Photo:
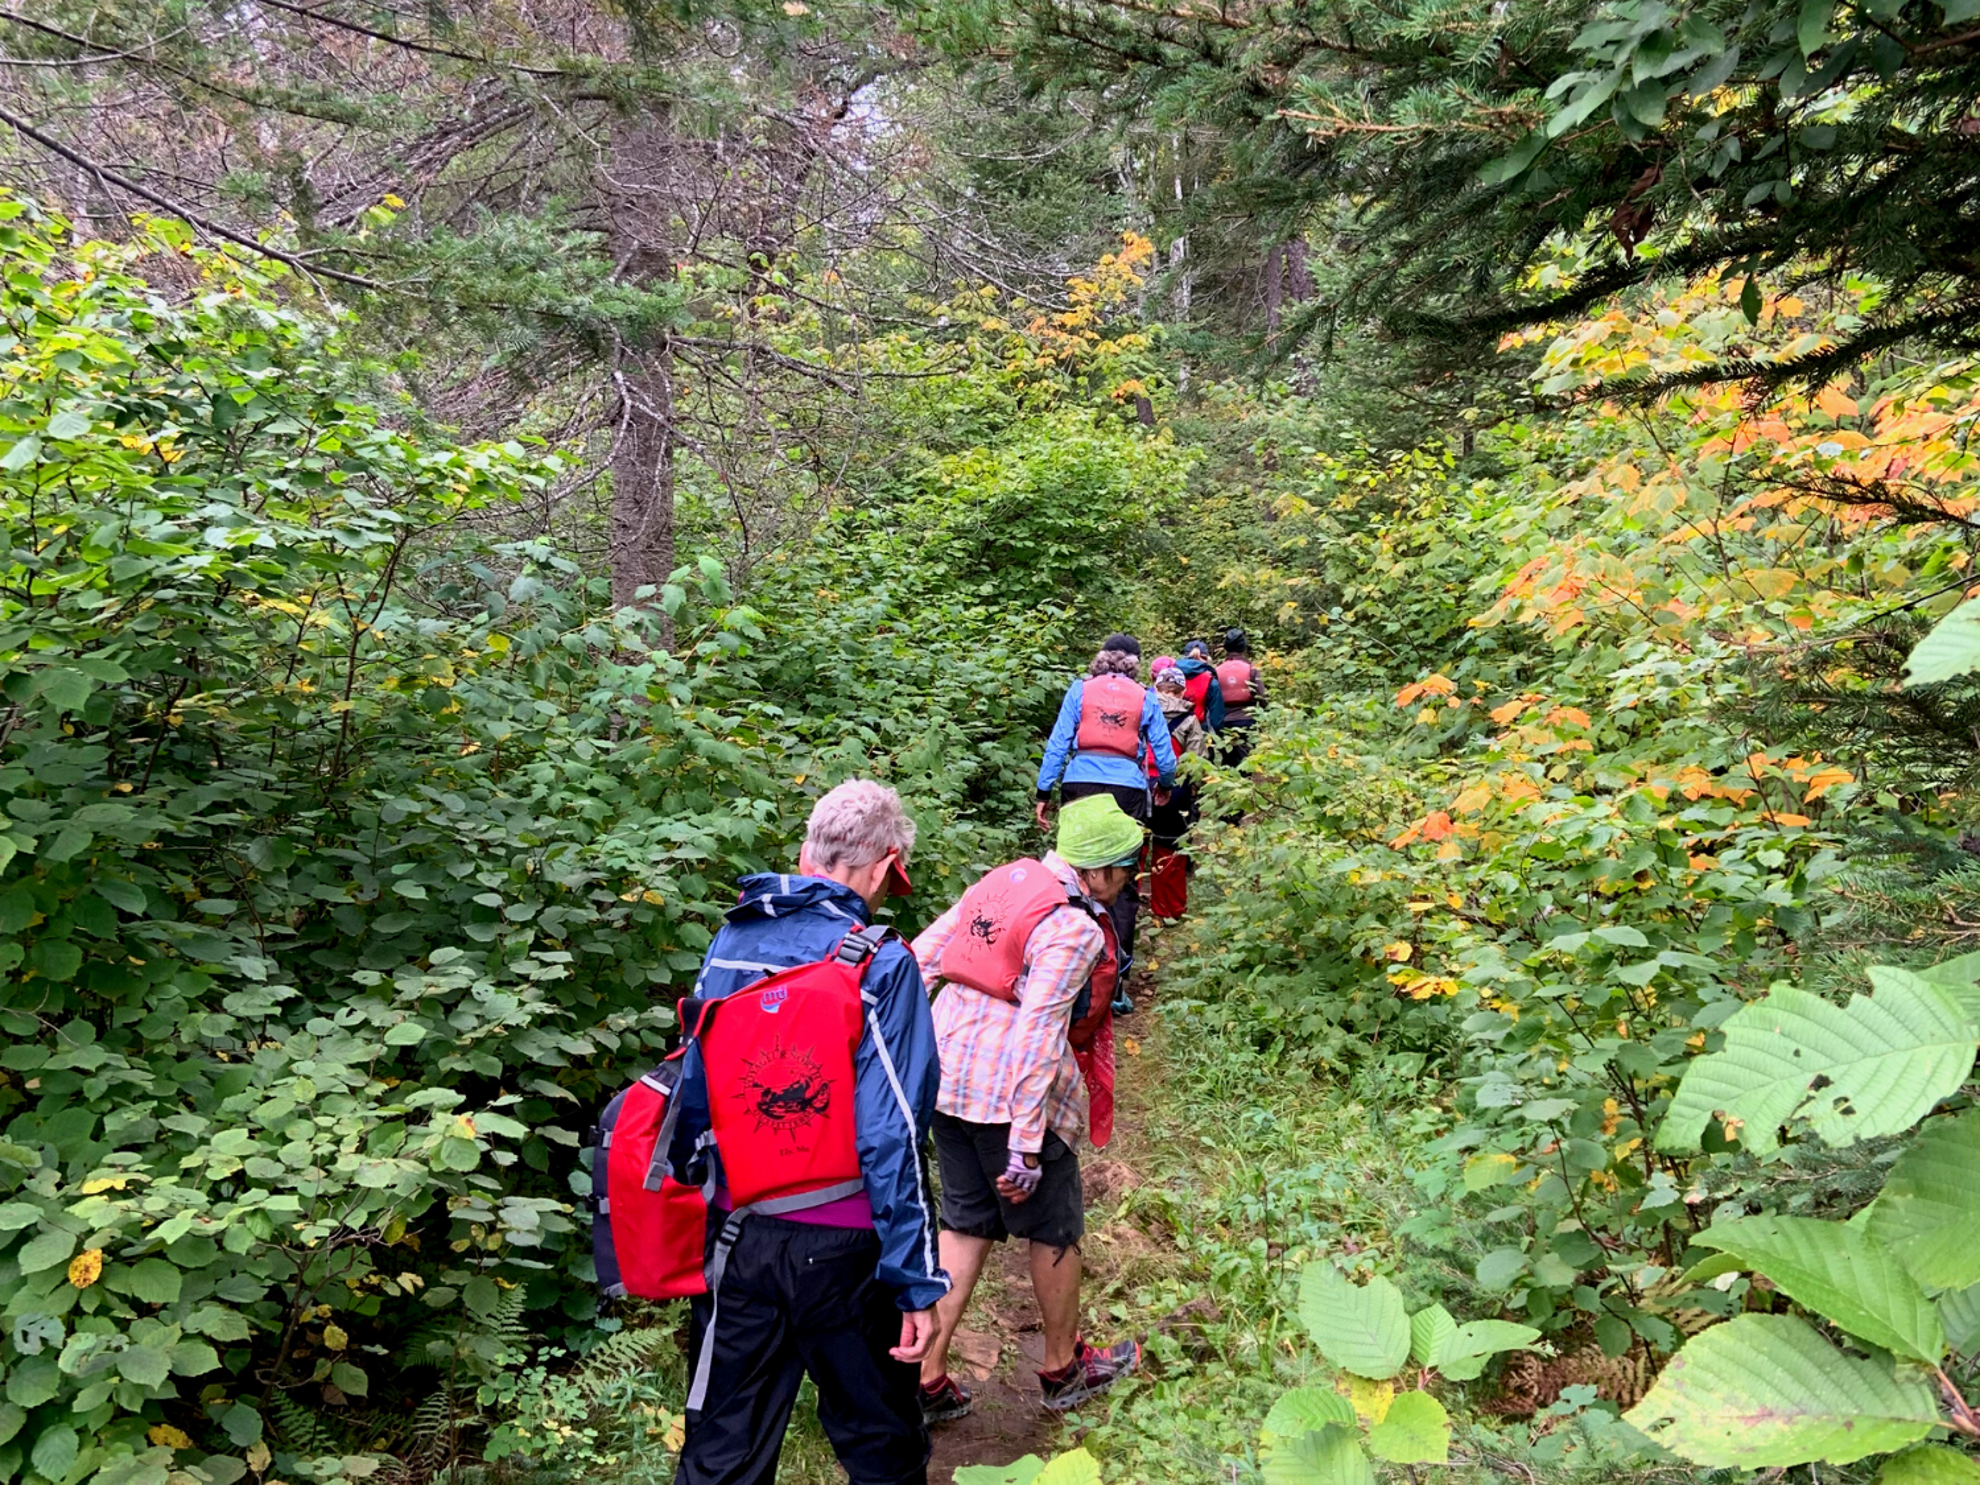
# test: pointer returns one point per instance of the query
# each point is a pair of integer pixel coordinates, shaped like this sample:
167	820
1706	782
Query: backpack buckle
861	945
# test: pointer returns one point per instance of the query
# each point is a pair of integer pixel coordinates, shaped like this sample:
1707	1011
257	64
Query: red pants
1168	895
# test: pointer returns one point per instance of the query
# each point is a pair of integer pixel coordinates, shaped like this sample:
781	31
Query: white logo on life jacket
773	1000
1018	874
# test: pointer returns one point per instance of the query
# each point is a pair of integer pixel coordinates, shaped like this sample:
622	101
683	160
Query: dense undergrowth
353	850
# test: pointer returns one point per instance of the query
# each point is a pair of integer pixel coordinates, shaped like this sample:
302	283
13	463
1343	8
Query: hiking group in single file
773	1169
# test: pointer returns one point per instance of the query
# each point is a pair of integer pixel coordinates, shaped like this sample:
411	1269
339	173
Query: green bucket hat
1095	831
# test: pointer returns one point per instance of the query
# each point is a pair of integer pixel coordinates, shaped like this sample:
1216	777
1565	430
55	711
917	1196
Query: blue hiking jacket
784	921
1213	703
1064	764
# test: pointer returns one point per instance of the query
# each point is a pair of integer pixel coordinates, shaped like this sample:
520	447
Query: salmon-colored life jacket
995	921
1234	680
1110	716
1197	689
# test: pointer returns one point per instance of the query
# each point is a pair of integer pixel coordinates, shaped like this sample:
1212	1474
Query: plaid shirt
1004	1063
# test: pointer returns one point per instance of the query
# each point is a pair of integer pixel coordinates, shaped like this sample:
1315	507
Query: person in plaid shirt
1012	1106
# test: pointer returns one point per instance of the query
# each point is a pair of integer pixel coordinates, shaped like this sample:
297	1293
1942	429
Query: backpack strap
862	944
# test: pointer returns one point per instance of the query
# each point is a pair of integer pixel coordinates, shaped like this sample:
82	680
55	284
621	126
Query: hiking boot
945	1401
1089	1374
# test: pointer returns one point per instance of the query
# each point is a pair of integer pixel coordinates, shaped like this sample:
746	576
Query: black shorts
972	1156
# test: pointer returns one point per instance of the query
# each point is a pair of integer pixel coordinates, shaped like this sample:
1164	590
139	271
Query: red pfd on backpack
1234	680
1197	689
995	920
1110	716
778	1063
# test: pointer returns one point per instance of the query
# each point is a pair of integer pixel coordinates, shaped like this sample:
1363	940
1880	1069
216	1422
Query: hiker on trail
1106	724
1026	958
1237	680
1200	685
1168	892
843	1288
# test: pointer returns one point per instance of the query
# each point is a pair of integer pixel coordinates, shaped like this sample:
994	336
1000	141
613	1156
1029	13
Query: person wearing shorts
1012	1106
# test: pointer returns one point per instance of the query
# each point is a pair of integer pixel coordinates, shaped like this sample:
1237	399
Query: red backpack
1234	679
778	1060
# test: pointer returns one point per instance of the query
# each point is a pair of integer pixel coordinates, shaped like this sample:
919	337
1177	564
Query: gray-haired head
856	824
1116	662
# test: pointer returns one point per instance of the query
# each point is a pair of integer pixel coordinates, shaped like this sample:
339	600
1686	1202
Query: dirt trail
999	1346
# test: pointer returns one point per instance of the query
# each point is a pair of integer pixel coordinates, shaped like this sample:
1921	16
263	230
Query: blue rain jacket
784	921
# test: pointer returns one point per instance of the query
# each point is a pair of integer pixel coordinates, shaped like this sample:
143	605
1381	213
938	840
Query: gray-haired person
845	1291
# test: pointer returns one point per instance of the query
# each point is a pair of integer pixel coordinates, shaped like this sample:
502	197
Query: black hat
1126	642
1235	642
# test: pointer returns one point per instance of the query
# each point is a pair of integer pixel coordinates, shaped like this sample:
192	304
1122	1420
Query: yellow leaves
1399	952
1833	402
165	1436
1370	1400
335	1338
96	1184
1822	781
1787	820
1570	716
1504	714
1431	685
86	1268
1611	1116
1427	717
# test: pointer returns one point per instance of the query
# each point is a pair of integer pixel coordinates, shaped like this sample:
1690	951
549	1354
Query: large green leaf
1306	1410
1853	1072
1330	1456
1928	1213
1930	1464
1472	1344
1075	1467
1019	1472
1429	1331
1951	649
1361	1328
1839	1272
1765	1390
1959	1313
1415	1430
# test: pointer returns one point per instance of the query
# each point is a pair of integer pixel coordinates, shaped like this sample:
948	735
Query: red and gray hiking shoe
1089	1374
944	1401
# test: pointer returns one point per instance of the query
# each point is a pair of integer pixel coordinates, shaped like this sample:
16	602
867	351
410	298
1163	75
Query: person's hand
1038	814
1163	796
1020	1178
917	1331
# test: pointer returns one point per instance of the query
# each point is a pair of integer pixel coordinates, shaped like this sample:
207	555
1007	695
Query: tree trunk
1299	278
1275	288
642	528
639	198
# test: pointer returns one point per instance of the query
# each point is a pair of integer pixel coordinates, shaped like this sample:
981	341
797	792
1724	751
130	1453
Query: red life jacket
1234	680
1110	716
778	1059
1197	689
997	917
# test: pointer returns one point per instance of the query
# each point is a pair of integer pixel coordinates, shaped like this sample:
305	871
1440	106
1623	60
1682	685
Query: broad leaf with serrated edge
1930	1464
1477	1341
1417	1430
1764	1390
1361	1328
1306	1409
1929	1210
1429	1331
1959	1313
1959	978
1880	1062
1019	1472
1952	648
1074	1468
1840	1273
1330	1456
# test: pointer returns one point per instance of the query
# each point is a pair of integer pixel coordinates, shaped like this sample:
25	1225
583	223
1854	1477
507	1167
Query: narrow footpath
1000	1347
